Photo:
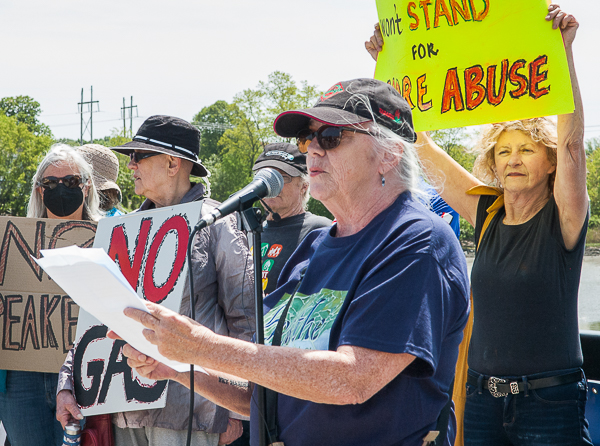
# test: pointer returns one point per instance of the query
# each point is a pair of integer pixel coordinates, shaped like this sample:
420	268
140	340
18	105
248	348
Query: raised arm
375	43
570	190
450	179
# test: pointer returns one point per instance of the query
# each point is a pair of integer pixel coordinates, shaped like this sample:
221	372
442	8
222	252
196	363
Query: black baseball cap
357	101
170	135
284	156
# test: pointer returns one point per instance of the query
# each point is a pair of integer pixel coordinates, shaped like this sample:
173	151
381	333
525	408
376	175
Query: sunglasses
136	157
328	137
71	181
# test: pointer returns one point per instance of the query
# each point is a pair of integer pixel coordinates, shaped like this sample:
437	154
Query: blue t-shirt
441	208
399	285
114	212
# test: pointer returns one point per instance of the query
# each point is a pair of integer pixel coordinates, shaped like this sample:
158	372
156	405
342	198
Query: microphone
267	183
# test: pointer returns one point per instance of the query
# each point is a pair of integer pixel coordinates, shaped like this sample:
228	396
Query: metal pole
91	114
124	125
260	329
131	118
81	120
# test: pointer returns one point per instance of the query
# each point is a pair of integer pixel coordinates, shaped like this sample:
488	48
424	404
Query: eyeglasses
328	136
71	181
286	178
136	157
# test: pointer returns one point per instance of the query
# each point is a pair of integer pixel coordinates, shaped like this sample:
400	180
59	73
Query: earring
382	181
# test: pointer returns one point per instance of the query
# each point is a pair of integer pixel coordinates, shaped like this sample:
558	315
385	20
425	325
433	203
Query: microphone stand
250	220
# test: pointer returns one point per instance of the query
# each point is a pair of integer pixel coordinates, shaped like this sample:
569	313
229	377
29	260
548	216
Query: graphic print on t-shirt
268	253
312	317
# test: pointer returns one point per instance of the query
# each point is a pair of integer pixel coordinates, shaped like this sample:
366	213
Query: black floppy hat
284	156
353	102
170	135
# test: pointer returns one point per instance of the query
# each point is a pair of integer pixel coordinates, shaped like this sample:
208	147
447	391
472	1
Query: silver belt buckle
493	388
514	387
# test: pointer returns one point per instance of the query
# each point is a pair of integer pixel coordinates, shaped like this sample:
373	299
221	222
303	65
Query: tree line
233	135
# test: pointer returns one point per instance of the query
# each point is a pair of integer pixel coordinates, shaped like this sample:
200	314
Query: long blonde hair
540	130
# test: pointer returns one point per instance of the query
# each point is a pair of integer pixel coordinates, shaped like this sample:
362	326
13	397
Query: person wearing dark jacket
164	153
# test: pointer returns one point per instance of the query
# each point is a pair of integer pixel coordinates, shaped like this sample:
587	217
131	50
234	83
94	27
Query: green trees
212	121
593	180
250	117
26	111
21	150
454	141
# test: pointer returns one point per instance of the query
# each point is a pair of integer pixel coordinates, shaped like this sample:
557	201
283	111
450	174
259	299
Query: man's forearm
225	390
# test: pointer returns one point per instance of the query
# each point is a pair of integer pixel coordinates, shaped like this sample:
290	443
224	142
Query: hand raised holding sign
375	44
566	22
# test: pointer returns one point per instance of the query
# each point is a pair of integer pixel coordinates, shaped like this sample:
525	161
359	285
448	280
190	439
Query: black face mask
63	201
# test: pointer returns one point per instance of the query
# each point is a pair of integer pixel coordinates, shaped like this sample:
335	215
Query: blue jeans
28	409
549	416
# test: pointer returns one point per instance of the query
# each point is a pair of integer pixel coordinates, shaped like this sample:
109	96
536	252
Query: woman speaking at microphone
362	334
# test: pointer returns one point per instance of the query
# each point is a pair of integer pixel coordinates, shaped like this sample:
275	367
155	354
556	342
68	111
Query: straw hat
105	165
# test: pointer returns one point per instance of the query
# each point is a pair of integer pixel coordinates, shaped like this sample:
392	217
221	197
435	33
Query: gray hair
64	154
306	195
408	169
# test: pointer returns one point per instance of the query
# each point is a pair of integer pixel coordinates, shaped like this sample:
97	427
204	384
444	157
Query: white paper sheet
95	283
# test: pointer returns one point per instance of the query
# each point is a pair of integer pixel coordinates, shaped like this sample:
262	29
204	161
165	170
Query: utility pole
131	107
89	123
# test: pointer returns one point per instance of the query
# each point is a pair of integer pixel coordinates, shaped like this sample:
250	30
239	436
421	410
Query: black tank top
525	285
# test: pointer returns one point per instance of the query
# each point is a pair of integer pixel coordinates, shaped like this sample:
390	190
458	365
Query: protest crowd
374	334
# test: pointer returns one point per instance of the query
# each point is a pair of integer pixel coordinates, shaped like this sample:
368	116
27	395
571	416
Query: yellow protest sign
468	62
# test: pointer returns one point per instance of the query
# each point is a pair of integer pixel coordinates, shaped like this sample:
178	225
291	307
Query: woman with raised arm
525	384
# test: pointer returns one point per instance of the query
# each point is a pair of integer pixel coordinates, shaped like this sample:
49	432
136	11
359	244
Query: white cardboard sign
150	249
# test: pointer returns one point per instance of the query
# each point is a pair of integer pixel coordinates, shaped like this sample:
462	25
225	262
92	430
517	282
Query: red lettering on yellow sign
490	85
467	9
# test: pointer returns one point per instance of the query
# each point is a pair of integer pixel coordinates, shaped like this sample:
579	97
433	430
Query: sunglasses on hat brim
71	181
328	137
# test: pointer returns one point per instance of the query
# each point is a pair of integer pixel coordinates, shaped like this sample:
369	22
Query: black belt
500	387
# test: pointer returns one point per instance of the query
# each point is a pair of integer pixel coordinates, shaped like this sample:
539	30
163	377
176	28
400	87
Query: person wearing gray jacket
164	153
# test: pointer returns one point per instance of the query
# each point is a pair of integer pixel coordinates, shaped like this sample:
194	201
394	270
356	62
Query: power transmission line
90	122
131	107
